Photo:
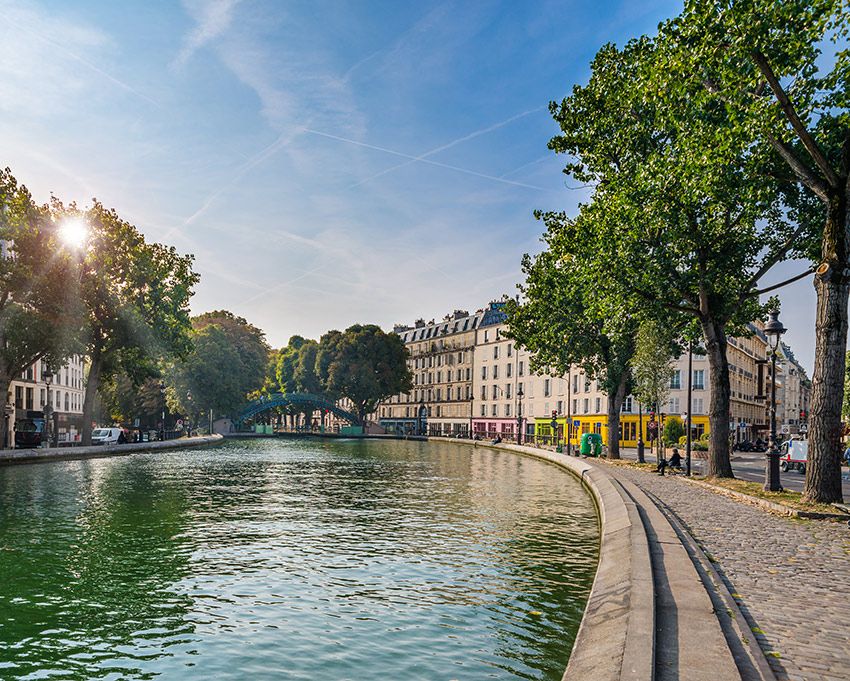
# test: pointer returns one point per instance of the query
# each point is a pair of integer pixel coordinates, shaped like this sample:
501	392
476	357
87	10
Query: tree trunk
92	386
5	419
615	405
719	463
823	471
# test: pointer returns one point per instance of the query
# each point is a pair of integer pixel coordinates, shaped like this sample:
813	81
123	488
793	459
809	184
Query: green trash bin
596	439
591	444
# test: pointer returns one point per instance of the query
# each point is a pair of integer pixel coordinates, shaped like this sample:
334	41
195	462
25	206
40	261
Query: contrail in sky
451	144
421	160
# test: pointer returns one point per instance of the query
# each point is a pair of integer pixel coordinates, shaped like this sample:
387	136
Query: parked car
29	433
794	455
108	436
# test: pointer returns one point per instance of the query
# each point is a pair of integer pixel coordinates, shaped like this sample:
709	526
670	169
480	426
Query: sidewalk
788	575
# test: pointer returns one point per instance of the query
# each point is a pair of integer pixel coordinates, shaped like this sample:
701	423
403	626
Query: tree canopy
364	364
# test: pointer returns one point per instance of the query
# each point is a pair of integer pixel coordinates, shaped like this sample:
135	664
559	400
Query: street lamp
519	396
773	330
162	413
47	376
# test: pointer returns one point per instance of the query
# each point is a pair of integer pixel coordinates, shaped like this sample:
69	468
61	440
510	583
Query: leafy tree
652	364
136	299
563	320
673	430
682	224
39	311
364	364
780	70
227	362
124	399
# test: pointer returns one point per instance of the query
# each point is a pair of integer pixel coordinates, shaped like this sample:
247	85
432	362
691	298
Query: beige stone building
441	361
29	394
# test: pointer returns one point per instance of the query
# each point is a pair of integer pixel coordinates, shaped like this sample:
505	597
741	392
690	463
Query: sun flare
73	232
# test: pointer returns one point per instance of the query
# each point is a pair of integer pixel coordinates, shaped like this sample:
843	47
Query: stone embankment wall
13	456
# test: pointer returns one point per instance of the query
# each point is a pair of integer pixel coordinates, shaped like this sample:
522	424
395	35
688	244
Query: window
495	371
627	408
699	379
495	392
483	410
586	405
676	380
483	392
547	388
560	407
628	431
520	370
586	385
575	406
468	374
484	373
41	398
598	405
575	383
29	394
439	377
486	336
508	370
19	397
508	390
449	394
697	406
495	411
507	410
510	350
673	406
495	352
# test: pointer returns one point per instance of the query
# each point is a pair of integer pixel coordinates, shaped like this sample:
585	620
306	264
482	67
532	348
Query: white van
794	454
108	436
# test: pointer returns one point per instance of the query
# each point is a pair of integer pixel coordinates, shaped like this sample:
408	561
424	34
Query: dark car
28	433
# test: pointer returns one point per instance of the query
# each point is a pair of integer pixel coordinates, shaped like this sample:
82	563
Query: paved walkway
791	575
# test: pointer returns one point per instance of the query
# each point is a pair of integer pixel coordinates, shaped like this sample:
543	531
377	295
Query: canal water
274	559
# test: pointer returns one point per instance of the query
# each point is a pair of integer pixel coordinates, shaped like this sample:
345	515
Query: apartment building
30	393
441	360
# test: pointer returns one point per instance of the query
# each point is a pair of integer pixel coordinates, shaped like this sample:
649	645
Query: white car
108	436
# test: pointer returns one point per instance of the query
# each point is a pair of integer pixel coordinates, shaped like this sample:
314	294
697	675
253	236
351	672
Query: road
750	466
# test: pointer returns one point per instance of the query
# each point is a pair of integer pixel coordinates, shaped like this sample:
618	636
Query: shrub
673	430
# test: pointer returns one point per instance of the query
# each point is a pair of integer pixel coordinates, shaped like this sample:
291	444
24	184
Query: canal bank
18	456
658	609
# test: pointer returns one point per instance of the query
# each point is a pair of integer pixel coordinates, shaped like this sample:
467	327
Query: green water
274	559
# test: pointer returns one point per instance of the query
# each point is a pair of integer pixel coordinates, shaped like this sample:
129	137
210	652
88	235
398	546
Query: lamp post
519	396
47	376
569	411
162	410
688	435
640	444
773	330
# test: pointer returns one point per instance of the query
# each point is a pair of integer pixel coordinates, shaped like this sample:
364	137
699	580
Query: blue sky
326	162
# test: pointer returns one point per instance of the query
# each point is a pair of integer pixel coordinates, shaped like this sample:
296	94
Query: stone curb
20	456
616	638
772	506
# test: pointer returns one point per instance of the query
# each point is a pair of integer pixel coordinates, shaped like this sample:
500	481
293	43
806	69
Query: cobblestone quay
790	576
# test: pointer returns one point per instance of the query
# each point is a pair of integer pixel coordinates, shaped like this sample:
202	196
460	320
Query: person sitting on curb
497	440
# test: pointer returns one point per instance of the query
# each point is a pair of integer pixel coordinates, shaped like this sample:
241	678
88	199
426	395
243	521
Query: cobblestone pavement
790	576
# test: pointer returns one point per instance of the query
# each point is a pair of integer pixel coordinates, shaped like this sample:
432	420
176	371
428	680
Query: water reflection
294	560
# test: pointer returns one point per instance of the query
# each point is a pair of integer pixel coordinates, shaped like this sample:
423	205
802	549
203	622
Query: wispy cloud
40	56
213	19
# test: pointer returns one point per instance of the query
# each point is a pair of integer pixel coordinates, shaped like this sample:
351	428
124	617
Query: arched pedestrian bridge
297	400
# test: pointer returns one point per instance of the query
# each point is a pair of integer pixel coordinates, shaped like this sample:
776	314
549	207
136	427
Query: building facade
30	393
441	361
